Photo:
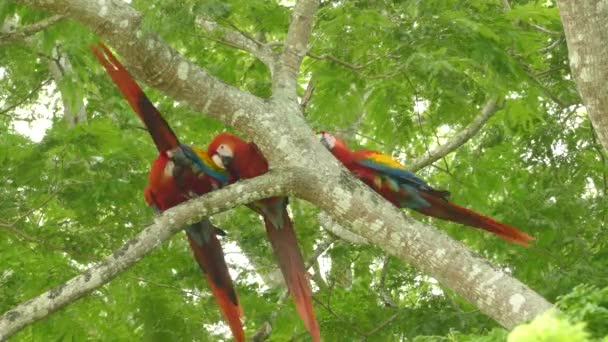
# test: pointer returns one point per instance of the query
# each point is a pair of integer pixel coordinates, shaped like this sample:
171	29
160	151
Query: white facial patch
330	140
169	169
224	151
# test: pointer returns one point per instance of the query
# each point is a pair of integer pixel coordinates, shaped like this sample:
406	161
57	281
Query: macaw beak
324	142
226	161
221	161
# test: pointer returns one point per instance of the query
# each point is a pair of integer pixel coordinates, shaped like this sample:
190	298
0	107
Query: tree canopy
403	77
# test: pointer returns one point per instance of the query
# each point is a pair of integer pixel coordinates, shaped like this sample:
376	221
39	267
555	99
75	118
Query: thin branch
165	226
26	31
36	89
328	308
237	39
310	89
152	60
384	294
354	67
295	47
546	30
383	324
336	229
488	110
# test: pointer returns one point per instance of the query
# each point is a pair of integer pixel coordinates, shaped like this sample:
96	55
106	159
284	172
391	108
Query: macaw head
336	146
328	140
224	148
332	142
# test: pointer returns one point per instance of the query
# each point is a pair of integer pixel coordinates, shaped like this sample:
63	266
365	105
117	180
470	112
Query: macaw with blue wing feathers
178	173
404	189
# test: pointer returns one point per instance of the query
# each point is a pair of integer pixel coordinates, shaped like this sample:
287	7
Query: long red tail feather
285	245
443	209
162	134
210	257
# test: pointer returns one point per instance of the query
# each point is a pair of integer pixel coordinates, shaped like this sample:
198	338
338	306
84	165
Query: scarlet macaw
172	181
406	190
244	160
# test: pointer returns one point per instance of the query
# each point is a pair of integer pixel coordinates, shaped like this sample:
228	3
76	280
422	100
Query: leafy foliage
410	74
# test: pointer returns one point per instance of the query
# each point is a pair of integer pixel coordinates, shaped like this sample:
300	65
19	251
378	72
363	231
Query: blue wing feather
400	174
195	159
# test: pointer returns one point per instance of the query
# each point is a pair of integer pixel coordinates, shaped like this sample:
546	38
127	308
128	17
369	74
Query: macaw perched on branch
172	181
406	190
244	160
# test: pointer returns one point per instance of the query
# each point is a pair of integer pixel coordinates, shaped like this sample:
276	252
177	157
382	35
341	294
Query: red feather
162	134
248	162
170	185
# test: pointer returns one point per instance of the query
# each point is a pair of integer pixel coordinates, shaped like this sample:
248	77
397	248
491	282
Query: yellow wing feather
385	159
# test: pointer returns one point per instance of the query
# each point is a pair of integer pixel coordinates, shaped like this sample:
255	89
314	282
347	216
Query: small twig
25	98
310	89
383	324
328	308
489	109
42	204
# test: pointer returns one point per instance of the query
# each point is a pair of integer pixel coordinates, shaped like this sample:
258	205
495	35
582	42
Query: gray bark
167	224
586	27
292	145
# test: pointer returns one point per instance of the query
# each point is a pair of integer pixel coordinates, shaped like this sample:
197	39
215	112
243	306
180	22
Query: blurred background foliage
397	76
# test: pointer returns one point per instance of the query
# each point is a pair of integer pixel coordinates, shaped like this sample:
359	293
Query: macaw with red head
179	173
244	160
404	189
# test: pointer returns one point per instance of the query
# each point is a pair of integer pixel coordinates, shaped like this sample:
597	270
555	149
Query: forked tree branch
165	226
238	40
489	109
295	48
287	141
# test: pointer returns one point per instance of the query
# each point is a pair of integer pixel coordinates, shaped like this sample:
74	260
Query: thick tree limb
586	27
26	31
498	295
295	48
236	39
165	226
489	109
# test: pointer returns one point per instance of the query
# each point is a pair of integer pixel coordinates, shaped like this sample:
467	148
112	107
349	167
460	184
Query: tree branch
287	141
153	61
488	110
352	203
329	224
36	89
26	31
238	40
295	48
165	226
586	28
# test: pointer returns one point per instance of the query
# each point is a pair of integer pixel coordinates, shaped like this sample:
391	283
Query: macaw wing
200	161
388	166
164	138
